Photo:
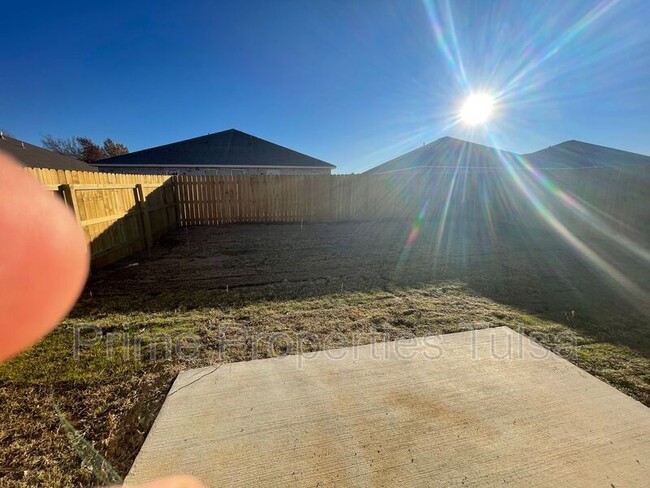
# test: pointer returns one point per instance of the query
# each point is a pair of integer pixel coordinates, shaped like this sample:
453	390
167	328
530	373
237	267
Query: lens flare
517	70
477	109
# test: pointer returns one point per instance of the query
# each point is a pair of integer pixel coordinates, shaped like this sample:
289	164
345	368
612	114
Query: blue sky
352	82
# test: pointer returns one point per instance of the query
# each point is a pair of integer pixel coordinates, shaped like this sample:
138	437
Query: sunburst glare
477	109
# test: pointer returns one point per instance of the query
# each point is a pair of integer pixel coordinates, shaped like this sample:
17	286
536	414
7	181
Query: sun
477	109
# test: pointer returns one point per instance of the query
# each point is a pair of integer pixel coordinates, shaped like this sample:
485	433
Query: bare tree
83	148
68	146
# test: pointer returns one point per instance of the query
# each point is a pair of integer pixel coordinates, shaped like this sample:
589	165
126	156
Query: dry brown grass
259	290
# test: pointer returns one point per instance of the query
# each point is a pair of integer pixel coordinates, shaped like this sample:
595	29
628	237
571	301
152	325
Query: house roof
448	152
37	157
227	148
578	154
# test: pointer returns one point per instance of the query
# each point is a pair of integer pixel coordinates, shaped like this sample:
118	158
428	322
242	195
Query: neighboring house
230	152
451	153
37	157
577	154
446	152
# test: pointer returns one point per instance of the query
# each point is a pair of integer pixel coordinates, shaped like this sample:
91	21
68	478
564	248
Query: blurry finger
172	482
43	259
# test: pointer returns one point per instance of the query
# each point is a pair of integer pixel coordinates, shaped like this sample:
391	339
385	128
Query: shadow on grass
227	267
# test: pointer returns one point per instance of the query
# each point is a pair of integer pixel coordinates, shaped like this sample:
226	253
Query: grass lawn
210	294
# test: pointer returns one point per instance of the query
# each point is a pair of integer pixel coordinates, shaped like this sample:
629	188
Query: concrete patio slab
480	408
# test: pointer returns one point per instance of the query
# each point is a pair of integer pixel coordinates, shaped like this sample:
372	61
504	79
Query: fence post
144	212
176	200
70	198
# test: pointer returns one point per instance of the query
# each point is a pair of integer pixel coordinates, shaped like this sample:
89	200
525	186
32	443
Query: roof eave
201	165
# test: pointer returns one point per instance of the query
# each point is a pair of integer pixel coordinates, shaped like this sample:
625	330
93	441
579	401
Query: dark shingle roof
455	153
37	157
446	152
576	154
228	148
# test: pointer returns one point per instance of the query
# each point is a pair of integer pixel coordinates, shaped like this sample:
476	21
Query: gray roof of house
37	157
228	148
578	154
448	152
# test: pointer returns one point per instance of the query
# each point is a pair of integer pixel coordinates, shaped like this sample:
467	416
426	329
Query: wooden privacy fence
616	196
214	200
122	214
119	214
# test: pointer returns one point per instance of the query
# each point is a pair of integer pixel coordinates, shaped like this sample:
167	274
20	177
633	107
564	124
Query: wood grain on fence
215	200
616	196
120	214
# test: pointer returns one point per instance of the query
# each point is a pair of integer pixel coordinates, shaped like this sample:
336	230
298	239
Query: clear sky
352	82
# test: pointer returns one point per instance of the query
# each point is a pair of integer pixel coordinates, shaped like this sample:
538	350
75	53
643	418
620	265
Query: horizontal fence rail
122	214
119	214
